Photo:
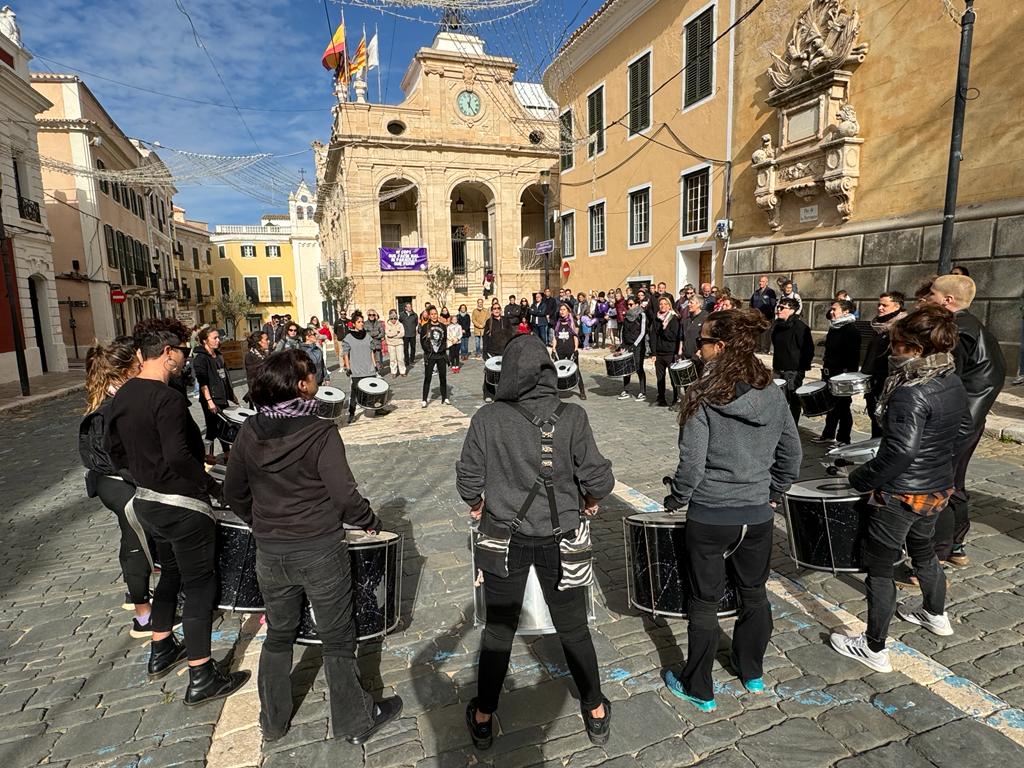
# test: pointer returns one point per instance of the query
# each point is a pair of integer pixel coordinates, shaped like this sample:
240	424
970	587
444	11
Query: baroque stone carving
847	125
766	152
824	38
9	25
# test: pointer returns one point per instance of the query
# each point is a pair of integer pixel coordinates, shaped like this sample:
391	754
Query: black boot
383	713
165	655
481	733
598	728
207	682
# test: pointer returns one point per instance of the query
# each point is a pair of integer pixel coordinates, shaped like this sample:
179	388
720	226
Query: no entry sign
565	270
116	294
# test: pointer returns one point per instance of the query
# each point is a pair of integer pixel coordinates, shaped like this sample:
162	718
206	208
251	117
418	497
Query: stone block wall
867	263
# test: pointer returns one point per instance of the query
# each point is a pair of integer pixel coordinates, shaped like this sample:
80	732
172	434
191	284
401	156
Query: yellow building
644	175
193	267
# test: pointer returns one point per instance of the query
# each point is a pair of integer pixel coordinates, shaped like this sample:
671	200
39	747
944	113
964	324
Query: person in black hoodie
634	337
497	331
792	351
513	311
664	343
215	390
289	479
876	357
842	355
410	324
499	475
434	342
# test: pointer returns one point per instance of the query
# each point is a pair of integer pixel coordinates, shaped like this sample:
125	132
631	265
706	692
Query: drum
781	384
853	455
827	521
683	373
849	384
815	398
233	419
376	587
568	375
492	370
620	364
373	393
534	618
332	403
656	578
236	565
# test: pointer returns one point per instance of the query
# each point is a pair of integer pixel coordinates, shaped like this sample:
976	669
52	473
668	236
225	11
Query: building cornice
13	86
355	141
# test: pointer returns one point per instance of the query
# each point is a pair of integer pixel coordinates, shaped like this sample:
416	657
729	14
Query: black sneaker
140	630
481	733
598	728
383	713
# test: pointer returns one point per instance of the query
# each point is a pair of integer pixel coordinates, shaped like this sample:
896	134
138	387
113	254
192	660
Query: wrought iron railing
29	209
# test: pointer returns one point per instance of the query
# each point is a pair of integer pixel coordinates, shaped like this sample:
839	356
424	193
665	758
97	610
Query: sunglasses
293	330
707	340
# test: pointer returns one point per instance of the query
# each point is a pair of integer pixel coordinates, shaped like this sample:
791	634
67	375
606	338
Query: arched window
309	212
299	213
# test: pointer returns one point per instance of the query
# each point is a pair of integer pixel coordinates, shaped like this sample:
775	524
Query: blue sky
268	52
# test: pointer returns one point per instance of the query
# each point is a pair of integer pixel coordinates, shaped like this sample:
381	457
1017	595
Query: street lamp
459	205
392	204
545	185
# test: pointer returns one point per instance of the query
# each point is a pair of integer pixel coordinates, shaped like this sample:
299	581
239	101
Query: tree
338	291
440	284
232	307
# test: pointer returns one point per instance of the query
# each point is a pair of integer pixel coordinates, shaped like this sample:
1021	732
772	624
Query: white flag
372	57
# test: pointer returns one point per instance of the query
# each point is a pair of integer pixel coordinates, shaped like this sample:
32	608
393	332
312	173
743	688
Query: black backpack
92	433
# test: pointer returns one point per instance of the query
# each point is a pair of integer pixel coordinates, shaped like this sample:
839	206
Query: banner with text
392	259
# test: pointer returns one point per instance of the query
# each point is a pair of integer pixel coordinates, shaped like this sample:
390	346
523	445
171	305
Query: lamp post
957	138
545	185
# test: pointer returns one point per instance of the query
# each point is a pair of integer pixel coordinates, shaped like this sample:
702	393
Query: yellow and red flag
358	61
334	55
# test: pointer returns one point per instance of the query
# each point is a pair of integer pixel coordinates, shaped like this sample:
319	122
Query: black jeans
954	521
453	355
504	599
839	420
706	546
135	553
409	342
794	380
429	364
322	573
185	545
889	527
641	374
661	364
871	402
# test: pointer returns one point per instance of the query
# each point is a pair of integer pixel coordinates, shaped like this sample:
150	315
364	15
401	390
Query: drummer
497	331
357	359
215	391
566	343
842	355
298	509
634	336
924	415
730	484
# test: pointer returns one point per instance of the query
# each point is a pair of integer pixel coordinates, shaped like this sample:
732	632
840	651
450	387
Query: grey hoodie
501	455
734	457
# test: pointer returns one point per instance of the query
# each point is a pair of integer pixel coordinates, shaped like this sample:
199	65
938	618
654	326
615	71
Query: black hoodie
501	455
289	479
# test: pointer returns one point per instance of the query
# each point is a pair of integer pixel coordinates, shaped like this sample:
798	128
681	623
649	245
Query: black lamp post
545	185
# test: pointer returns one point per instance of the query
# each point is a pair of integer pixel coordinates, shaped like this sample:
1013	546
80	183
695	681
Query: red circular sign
565	269
117	295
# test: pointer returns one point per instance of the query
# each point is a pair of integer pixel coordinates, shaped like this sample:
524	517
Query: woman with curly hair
730	485
259	350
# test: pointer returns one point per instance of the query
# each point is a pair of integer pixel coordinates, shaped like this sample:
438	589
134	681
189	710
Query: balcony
235	229
29	209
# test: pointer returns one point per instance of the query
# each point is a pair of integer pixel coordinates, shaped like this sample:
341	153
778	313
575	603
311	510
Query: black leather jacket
923	425
980	365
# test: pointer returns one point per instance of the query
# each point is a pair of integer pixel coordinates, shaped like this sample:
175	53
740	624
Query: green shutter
595	121
640	94
566	141
699	58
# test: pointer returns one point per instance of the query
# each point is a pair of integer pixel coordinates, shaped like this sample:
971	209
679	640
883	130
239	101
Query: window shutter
699	57
566	141
640	94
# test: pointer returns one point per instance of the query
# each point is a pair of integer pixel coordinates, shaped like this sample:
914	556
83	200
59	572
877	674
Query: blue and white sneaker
676	688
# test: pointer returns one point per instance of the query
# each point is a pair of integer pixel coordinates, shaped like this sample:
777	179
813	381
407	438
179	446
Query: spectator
584	306
551	304
587	329
291	340
410	326
512	311
375	328
601	316
959	269
488	283
259	350
480	315
789	292
764	301
843	296
539	317
707	293
463	319
394	335
690	329
453	333
316	355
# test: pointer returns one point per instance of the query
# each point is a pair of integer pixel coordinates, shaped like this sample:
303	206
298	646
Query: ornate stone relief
818	143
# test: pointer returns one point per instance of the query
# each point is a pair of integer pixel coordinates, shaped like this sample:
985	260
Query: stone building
193	270
644	172
27	248
451	177
841	146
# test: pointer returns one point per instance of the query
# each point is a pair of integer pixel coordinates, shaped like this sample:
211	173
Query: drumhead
619	356
493	364
357	539
238	415
373	386
855	376
330	395
810	389
680	364
824	488
863	449
565	368
779	383
657	519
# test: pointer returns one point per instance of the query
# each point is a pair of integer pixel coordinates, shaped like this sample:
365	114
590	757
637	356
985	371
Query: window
299	213
116	191
248	251
108	237
209	259
596	227
276	290
195	258
273	251
225	286
568	235
199	289
640	216
565	127
209	284
104	185
696	194
142	207
220	252
162	217
391	235
252	288
133	202
595	122
697	77
639	83
309	212
152	205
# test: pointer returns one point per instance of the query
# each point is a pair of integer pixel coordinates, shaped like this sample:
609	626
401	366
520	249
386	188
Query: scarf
839	322
911	372
259	353
666	318
291	408
883	324
633	313
358	335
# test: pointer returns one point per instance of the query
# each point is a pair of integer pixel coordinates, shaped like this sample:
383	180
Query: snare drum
849	384
683	373
233	419
815	398
853	455
236	565
376	587
373	393
492	370
568	375
827	521
656	579
620	364
332	403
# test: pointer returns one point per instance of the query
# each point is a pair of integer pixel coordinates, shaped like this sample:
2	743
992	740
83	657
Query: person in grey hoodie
496	475
739	451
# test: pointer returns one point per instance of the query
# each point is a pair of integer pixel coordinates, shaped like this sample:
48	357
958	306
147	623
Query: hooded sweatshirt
501	454
289	479
734	457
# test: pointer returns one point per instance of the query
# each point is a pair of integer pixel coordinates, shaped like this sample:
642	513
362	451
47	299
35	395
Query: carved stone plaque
802	125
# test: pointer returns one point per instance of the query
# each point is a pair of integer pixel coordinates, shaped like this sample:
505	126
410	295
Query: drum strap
731	552
175	500
547	465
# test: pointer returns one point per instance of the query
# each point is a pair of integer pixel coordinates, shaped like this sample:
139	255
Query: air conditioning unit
722	228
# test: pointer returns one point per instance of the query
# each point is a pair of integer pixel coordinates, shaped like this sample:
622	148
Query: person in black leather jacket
923	410
982	369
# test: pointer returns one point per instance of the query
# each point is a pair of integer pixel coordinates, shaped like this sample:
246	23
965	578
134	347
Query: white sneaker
446	401
1018	381
937	625
488	400
856	648
641	397
624	395
423	404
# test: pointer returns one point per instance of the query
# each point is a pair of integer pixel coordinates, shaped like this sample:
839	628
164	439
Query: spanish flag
358	62
334	55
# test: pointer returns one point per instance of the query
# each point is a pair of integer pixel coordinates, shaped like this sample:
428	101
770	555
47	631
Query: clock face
469	104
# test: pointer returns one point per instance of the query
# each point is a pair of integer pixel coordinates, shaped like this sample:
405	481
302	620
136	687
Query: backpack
92	433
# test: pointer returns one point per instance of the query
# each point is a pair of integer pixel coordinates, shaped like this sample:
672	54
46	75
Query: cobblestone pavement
73	690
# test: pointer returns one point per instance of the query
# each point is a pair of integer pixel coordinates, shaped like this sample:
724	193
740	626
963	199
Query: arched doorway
472	221
40	319
399	210
531	227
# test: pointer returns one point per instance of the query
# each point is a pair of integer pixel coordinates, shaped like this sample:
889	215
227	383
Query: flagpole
378	61
366	52
345	63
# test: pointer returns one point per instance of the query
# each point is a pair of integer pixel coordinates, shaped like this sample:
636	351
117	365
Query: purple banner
392	259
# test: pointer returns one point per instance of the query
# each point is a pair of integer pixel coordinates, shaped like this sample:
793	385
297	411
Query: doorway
33	297
401	301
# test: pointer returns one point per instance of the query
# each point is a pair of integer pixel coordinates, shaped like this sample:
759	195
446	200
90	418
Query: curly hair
108	365
739	329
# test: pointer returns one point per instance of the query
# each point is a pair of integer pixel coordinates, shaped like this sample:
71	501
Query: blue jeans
478	340
465	346
542	332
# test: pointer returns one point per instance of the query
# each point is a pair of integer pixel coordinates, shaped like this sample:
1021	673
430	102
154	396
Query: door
705	267
401	301
688	269
33	298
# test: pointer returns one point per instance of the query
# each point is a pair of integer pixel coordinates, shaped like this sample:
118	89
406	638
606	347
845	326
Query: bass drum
236	565
331	403
815	399
373	393
827	522
233	419
492	370
620	364
656	574
376	587
568	375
